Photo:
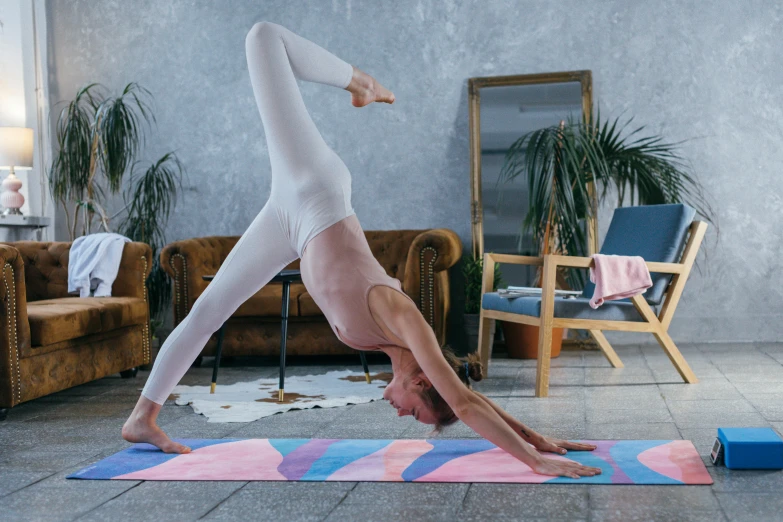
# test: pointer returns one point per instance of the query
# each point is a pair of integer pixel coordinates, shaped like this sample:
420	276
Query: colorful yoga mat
432	460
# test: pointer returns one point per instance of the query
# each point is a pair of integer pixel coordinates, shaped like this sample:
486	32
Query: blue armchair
668	239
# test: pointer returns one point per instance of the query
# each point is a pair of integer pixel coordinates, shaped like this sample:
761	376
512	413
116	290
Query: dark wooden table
286	277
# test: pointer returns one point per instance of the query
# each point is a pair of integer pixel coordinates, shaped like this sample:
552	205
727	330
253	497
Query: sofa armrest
131	281
135	267
426	280
442	241
15	329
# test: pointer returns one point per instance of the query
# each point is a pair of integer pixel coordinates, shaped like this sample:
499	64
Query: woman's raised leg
276	57
259	254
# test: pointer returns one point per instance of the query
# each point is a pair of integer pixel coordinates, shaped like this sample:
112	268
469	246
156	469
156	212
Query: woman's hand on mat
561	468
559	446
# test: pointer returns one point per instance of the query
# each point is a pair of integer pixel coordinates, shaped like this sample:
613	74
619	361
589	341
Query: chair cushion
64	318
576	308
657	233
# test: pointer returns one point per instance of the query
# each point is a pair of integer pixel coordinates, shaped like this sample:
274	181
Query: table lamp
16	152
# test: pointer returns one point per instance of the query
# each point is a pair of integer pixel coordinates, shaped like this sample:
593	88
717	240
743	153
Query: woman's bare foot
141	427
365	89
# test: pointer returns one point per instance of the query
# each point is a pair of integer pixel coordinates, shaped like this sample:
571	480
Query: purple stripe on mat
299	461
602	451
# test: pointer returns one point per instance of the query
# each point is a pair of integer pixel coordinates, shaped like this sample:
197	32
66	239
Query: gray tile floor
741	385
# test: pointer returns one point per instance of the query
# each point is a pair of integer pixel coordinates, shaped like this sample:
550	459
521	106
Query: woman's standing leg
259	254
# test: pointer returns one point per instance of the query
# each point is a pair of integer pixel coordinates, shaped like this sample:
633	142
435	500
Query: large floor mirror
501	110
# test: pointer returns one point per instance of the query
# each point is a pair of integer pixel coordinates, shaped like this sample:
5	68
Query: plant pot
522	340
472	332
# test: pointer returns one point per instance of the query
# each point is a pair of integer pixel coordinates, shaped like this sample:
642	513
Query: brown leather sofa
420	259
51	340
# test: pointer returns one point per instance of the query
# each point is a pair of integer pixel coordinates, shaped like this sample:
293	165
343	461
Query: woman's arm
407	323
540	442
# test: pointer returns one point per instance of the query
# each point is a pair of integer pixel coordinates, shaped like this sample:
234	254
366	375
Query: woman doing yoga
309	215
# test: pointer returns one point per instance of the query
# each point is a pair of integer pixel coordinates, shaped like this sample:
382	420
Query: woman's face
405	395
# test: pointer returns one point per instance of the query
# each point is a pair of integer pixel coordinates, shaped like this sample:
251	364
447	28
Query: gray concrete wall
686	69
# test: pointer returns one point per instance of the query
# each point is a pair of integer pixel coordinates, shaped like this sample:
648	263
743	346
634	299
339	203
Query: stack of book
527	291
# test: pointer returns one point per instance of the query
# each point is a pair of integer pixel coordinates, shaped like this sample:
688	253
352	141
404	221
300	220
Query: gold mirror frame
585	78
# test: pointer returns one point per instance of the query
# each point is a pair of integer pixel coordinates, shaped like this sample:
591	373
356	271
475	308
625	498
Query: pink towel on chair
618	277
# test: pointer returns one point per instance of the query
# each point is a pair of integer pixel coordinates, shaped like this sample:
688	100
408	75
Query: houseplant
98	141
561	161
473	272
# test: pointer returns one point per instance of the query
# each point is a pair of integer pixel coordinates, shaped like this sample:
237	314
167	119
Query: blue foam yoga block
751	448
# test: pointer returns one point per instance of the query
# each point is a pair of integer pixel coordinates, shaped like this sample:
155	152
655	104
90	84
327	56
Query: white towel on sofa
93	263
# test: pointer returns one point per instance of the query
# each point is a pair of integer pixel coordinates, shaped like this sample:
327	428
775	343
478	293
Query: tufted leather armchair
420	259
51	340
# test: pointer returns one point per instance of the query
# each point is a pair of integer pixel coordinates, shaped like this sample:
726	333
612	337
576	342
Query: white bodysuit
310	192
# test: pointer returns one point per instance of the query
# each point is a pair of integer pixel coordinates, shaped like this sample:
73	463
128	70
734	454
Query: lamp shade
16	148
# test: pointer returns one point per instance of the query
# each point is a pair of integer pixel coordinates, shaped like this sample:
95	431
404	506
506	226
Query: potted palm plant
472	271
562	161
98	141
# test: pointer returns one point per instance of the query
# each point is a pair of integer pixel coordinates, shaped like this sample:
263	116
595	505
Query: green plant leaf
473	273
560	161
149	197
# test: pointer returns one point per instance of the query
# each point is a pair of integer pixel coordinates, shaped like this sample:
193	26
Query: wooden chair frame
658	325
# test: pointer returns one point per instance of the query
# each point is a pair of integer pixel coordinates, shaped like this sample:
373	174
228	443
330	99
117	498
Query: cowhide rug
248	401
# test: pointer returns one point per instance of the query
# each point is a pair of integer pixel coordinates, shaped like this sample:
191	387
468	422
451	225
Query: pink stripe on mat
252	459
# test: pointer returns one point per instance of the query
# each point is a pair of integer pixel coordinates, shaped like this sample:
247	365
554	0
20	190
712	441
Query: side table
286	277
16	223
